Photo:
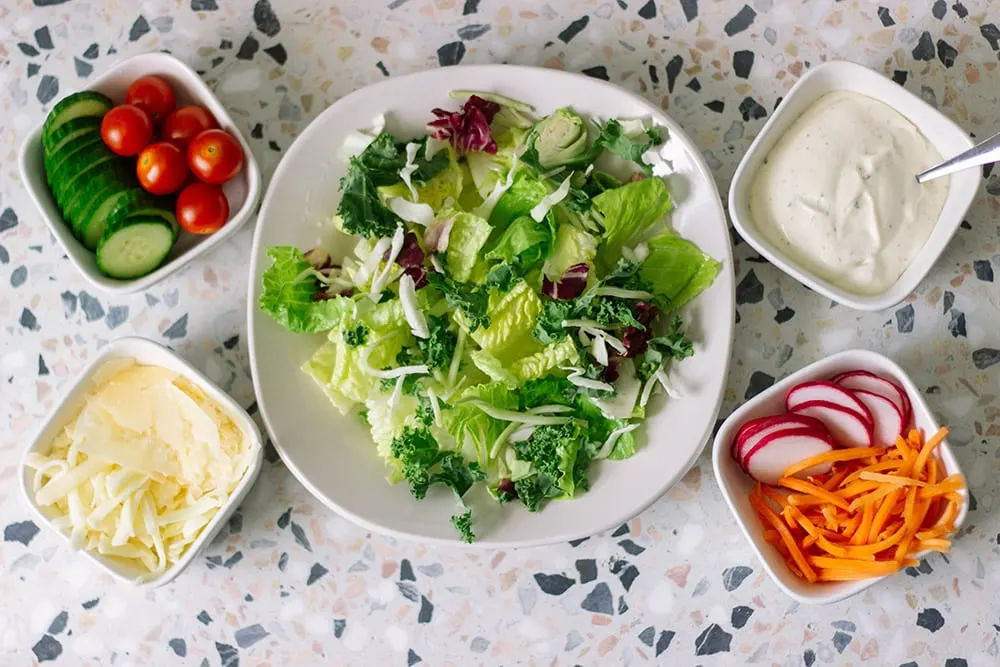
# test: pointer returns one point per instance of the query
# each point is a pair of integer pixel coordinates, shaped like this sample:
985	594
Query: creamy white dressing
838	195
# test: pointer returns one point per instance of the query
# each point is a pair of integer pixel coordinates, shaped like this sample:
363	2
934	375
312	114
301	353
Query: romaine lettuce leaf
487	170
467	237
629	211
572	246
289	294
541	362
468	424
677	269
494	368
525	192
524	243
445	185
512	318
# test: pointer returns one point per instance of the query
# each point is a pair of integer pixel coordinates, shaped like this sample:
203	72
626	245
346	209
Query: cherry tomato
186	123
153	95
202	208
215	156
161	168
126	129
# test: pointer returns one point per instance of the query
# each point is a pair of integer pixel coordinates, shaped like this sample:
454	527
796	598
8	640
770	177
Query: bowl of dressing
827	191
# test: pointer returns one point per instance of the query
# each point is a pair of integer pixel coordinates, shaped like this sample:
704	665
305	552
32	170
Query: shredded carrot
786	537
869	515
860	536
812	490
834	480
834	455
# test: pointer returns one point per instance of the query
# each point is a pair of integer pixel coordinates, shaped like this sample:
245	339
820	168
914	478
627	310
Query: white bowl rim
116	349
159	61
722	456
893	294
486	543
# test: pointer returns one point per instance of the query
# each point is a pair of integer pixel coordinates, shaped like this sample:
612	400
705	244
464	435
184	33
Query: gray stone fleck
91	307
116	316
479	645
433	570
712	640
846	626
647	636
18	276
315	573
928	95
21	531
47	648
734	133
288	111
599	600
701	588
904	318
170	298
771	36
300	536
59	623
48	88
178	329
733	577
178	646
573	639
784	354
228	655
163	24
250	635
83	68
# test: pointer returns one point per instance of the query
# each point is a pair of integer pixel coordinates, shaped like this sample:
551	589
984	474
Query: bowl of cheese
141	462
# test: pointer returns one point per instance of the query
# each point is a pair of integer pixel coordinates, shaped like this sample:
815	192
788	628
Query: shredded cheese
143	467
486	208
418	214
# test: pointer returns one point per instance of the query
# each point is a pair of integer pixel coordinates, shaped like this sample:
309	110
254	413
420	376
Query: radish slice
827	392
846	426
761	428
888	417
751	450
772	457
865	381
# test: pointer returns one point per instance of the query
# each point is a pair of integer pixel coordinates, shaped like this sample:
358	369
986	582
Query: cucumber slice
55	141
74	178
72	148
134	248
86	104
112	177
108	210
161	212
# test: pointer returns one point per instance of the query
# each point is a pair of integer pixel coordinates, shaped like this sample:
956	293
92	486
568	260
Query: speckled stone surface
289	583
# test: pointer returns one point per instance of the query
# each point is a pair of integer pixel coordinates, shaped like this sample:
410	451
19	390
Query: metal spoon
985	152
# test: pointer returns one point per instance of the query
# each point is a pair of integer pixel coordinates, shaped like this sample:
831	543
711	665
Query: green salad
511	303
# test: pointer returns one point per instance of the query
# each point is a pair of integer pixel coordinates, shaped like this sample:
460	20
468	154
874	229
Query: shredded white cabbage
513	416
437	263
609	444
485	209
432	396
600	350
415	318
521	434
418	214
384	277
370	263
622	293
154	460
541	209
497	98
358	140
397	392
406	173
433	146
587	383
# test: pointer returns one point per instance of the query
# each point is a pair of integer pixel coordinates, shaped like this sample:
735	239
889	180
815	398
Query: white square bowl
242	191
737	485
946	137
68	406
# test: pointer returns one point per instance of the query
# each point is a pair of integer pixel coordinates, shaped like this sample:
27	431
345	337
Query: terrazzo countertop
290	583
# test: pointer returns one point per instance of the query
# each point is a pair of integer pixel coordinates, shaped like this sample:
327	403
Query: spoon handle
985	152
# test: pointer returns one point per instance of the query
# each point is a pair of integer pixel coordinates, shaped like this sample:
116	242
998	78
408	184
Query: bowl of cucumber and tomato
129	177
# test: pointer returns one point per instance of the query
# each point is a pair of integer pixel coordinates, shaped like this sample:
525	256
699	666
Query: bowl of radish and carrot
839	476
